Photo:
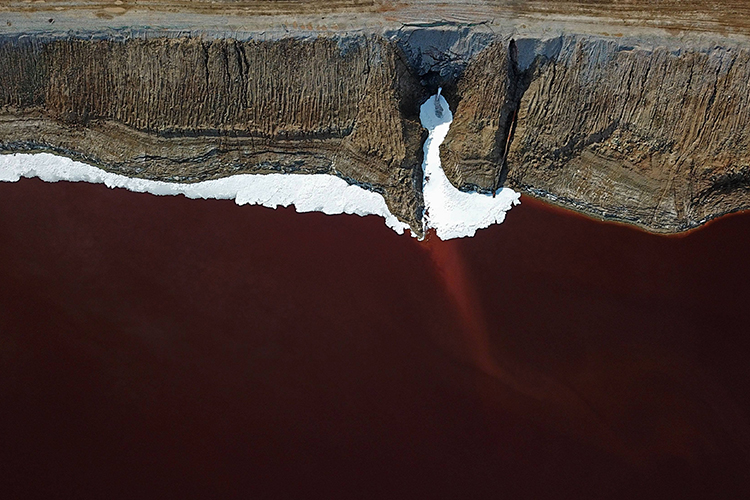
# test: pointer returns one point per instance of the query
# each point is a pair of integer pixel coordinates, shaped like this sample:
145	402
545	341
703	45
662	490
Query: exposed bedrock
647	130
187	109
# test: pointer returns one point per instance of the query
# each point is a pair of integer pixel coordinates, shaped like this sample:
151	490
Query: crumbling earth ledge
634	111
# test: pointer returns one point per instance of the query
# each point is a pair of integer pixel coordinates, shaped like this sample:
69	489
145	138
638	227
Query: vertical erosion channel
453	213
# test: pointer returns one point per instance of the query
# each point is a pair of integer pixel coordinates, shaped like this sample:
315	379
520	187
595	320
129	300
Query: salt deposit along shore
308	193
450	212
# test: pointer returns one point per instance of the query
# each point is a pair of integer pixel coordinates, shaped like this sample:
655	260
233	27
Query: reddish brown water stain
163	346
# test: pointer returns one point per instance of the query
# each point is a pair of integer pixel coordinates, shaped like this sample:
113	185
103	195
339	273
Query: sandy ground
730	18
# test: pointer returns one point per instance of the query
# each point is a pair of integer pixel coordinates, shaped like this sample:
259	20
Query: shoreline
573	210
633	169
297	344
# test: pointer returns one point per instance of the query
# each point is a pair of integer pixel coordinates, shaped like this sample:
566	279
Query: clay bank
635	113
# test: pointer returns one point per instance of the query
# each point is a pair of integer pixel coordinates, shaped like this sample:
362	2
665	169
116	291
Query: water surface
164	346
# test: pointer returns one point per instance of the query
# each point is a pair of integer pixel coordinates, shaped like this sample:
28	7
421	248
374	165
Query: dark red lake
157	347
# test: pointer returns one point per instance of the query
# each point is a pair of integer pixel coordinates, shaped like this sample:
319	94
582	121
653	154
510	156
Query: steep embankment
189	109
633	111
653	135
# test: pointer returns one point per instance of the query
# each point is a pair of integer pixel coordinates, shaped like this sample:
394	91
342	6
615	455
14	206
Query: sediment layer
646	127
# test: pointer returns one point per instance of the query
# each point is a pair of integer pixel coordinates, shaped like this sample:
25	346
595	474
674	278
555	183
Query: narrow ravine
450	212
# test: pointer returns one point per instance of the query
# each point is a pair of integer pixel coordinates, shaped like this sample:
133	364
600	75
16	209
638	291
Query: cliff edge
635	112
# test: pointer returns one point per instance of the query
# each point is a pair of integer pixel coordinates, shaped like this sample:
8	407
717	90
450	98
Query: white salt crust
308	193
452	213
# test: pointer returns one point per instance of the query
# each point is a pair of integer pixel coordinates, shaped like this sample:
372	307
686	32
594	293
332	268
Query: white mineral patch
308	193
453	213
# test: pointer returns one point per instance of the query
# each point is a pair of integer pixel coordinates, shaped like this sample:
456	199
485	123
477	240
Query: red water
163	347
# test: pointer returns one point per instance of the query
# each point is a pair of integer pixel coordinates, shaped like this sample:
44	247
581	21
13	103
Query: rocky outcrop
187	109
657	137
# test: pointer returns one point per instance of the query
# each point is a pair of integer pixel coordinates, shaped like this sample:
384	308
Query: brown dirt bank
187	110
632	111
653	136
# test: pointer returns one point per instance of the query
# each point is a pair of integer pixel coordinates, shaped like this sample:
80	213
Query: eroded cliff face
657	137
652	136
648	131
473	154
187	109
